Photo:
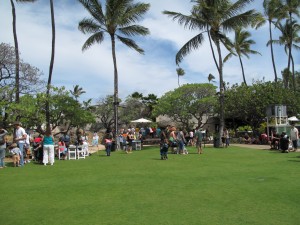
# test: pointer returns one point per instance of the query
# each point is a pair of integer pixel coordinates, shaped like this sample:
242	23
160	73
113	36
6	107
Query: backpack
2	140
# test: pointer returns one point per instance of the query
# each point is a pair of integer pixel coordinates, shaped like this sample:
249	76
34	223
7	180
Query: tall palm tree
17	63
180	72
291	7
51	64
272	12
239	47
118	22
215	18
288	40
77	91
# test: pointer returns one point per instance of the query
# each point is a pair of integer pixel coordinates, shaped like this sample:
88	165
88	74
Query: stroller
164	151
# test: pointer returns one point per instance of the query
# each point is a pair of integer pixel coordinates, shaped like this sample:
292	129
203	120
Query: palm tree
288	40
215	18
118	21
77	91
291	7
211	78
272	12
51	64
17	63
239	47
180	72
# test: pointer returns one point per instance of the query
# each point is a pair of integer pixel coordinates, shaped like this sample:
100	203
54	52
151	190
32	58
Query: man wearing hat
20	138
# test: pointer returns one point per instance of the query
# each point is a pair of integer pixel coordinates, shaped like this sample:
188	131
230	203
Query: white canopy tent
141	120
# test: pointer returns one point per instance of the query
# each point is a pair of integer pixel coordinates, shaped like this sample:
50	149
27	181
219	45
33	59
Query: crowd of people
25	147
173	139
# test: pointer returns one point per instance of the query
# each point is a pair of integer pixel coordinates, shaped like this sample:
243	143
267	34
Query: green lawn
222	186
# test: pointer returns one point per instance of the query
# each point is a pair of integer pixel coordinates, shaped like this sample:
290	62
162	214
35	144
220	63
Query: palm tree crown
239	47
118	21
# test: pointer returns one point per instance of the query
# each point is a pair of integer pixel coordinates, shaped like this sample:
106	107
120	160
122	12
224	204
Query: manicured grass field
222	186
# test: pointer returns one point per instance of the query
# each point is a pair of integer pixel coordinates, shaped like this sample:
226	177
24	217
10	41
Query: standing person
181	140
130	138
199	138
226	137
95	139
3	132
108	138
294	136
48	147
19	138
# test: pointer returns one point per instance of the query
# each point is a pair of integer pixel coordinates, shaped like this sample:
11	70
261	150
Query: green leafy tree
216	18
239	47
104	111
247	104
188	102
118	22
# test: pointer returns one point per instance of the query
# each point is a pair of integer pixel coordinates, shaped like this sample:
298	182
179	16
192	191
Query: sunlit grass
222	186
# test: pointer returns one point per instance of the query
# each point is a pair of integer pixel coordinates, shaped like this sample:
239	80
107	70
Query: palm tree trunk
272	53
51	64
212	49
290	50
293	71
222	93
241	62
116	91
17	63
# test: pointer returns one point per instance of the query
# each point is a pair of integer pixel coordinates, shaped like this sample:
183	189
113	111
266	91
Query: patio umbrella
293	119
141	120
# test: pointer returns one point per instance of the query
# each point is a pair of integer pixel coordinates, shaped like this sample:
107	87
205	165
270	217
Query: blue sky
154	72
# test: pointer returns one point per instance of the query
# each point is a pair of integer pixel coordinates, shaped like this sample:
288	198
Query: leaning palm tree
51	64
216	18
180	72
272	12
118	22
289	41
17	63
77	91
239	47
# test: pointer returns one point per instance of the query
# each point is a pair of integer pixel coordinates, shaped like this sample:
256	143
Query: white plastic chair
72	152
80	152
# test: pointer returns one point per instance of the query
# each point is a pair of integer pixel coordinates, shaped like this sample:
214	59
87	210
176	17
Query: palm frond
94	7
188	22
134	30
130	43
89	25
95	38
192	44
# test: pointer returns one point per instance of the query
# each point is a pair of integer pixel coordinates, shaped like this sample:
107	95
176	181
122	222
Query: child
15	151
62	149
164	150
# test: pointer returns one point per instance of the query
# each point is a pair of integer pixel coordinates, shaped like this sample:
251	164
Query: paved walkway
264	147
